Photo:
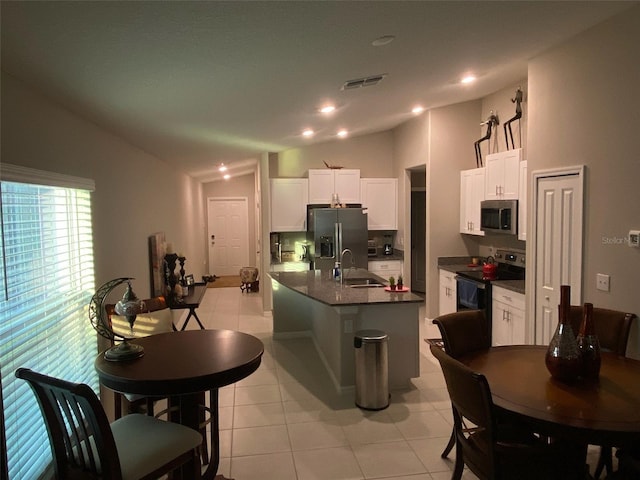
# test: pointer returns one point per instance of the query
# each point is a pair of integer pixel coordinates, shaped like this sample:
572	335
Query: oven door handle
479	285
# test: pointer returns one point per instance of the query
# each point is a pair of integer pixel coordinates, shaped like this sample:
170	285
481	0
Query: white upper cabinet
522	203
323	183
471	194
380	197
289	204
502	175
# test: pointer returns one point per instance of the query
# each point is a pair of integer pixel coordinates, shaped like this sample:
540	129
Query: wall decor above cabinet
323	183
502	175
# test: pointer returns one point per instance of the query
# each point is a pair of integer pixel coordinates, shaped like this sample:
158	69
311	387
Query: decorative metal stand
170	276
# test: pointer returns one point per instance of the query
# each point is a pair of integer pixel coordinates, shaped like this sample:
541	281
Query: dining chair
489	450
4	466
157	318
86	446
612	329
462	333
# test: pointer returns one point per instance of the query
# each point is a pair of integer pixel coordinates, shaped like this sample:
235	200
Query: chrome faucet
346	250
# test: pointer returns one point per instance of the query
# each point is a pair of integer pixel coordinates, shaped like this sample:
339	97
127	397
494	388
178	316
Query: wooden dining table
182	366
601	412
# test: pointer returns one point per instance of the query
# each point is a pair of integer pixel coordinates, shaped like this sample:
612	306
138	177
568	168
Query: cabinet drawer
508	297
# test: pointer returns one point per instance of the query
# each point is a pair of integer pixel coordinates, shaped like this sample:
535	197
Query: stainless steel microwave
499	216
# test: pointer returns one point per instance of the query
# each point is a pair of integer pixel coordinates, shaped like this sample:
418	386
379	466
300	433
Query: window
46	280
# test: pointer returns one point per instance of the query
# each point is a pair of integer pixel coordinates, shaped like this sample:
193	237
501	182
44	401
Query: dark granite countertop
381	257
517	286
453	265
321	287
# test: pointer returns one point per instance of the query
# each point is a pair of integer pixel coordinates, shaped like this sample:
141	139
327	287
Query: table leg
192	313
188	413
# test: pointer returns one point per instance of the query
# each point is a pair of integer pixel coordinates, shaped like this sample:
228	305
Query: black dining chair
86	446
489	450
612	328
462	333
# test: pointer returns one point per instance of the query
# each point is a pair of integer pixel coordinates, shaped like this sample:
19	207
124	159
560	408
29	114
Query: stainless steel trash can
372	369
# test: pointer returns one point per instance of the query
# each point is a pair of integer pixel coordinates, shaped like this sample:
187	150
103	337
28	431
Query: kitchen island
312	304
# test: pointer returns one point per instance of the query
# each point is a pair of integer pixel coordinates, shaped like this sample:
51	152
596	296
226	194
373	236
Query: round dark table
182	366
602	412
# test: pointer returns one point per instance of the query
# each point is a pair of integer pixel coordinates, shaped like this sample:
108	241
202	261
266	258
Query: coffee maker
387	249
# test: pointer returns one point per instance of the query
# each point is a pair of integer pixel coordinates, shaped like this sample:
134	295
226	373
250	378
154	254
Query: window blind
47	280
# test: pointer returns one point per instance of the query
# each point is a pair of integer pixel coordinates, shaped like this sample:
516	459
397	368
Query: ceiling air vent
363	82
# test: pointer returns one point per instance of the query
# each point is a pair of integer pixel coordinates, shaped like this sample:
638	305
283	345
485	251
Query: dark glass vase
589	345
563	358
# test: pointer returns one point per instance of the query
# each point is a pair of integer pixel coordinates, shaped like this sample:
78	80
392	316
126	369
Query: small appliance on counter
388	245
372	248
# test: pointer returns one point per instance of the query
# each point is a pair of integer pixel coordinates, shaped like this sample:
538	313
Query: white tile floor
286	422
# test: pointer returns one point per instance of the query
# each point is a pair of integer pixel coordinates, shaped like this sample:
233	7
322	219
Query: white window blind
47	280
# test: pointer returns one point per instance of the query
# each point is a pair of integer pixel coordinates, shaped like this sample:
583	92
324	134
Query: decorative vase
589	345
563	358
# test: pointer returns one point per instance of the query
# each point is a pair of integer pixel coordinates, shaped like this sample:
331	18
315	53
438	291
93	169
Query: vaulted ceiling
207	82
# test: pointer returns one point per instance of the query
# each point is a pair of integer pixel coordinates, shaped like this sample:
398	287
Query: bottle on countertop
336	271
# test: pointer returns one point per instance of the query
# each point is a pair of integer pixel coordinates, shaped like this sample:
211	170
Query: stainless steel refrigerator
331	230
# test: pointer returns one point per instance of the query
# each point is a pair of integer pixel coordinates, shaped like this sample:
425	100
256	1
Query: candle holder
181	260
170	276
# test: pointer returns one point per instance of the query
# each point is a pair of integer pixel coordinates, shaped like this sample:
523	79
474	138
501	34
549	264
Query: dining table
604	411
182	366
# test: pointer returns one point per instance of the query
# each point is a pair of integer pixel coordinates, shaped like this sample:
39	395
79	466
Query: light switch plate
602	282
634	238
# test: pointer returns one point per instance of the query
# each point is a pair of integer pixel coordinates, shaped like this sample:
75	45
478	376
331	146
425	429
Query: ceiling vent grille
363	82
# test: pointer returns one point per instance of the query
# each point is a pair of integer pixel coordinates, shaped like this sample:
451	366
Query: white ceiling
200	83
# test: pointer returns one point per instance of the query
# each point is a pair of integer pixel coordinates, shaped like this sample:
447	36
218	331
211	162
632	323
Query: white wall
442	139
372	154
136	194
242	186
583	104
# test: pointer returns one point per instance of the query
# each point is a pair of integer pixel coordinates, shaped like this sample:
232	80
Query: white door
228	234
558	247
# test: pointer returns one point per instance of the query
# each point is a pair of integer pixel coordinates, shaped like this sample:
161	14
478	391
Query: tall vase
563	357
589	345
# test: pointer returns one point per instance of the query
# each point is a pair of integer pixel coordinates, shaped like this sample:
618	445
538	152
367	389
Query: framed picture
156	263
189	279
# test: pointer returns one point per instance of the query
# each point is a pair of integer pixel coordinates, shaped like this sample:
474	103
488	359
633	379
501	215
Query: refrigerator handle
338	236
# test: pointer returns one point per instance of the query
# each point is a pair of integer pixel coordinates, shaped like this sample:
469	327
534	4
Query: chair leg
605	461
458	466
452	442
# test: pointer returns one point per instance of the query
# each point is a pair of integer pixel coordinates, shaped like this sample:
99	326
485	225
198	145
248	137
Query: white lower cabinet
386	268
448	293
508	317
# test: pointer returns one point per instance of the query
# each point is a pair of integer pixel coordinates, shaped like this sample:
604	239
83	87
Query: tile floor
286	422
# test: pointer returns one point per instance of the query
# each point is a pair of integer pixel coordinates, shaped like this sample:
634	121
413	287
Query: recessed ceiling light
342	133
383	40
222	168
226	176
307	133
417	110
468	79
327	109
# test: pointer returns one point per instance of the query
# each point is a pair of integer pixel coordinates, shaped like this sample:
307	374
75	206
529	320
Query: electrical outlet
634	238
602	282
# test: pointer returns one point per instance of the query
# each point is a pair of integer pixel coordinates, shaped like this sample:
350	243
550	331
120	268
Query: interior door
418	241
558	248
228	234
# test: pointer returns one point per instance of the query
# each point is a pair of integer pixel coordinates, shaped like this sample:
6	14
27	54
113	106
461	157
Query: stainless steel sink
362	283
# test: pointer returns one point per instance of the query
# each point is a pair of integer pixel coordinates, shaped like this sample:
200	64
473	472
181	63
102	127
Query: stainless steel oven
474	289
